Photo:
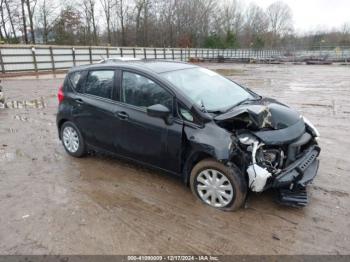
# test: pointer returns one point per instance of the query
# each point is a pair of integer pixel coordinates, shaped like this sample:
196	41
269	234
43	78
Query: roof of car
157	66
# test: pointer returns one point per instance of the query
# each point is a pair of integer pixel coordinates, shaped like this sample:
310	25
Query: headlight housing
312	128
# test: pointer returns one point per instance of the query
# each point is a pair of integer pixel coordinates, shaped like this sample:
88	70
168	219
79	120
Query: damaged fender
209	140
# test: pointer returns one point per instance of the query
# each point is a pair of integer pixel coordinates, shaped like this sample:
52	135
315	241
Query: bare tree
46	18
89	10
122	10
255	27
280	20
3	19
162	23
139	5
11	7
30	9
68	27
231	17
93	20
168	31
107	6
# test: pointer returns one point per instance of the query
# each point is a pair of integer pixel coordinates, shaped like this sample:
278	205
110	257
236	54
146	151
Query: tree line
157	23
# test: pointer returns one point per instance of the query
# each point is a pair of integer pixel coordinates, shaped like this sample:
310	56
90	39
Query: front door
145	138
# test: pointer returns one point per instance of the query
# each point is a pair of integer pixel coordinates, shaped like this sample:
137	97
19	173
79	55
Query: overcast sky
314	14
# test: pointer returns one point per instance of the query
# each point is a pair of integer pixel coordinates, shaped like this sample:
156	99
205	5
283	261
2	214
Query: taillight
60	94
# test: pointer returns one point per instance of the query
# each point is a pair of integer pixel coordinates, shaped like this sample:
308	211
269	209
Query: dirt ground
51	203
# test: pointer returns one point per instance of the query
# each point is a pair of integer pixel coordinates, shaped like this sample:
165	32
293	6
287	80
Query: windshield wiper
242	102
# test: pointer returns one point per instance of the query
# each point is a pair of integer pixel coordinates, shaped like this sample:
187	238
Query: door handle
122	115
79	101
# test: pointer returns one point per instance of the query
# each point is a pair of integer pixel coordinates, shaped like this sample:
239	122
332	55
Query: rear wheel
72	140
218	185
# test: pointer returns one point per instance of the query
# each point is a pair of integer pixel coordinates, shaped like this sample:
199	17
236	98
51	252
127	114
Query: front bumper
292	182
300	173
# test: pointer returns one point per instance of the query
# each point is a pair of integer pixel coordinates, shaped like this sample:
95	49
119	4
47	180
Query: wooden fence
17	58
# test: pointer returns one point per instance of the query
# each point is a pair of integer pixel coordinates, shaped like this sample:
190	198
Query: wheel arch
59	125
192	158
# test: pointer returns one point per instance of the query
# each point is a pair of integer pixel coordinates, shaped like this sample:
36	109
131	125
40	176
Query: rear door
96	117
144	138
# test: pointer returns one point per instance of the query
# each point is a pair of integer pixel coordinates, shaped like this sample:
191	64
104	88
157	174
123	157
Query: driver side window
140	91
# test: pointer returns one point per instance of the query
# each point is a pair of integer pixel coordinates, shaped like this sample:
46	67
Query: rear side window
140	91
74	79
100	83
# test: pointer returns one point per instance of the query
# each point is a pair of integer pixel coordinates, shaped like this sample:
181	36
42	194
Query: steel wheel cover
214	188
70	139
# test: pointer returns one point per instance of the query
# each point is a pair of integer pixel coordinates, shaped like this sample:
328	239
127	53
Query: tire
77	146
228	177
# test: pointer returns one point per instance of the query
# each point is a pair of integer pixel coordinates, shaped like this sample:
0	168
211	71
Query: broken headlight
312	128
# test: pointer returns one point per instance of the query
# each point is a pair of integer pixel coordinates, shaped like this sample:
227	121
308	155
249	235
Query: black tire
81	150
235	177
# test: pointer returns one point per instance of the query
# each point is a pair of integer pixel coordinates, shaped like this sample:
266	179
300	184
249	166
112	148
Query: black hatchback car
221	138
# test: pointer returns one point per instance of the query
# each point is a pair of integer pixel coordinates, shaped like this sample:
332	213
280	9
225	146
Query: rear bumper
300	173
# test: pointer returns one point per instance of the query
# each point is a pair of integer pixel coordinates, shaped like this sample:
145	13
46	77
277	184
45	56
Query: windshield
208	89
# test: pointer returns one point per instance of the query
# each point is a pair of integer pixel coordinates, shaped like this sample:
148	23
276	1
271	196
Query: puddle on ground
36	103
228	71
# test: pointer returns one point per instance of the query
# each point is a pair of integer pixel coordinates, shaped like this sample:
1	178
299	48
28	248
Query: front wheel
72	140
218	185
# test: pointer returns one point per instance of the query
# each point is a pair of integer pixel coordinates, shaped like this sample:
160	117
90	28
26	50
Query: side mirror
160	111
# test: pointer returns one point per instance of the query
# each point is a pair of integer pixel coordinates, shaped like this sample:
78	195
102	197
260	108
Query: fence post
164	53
90	55
2	63
52	60
107	51
121	51
34	59
145	53
181	53
73	56
134	52
172	53
155	53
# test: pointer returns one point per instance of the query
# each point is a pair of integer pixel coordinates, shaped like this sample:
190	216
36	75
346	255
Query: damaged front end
280	147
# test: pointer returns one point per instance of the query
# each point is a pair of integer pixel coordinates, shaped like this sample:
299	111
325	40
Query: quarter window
74	79
140	91
185	114
100	83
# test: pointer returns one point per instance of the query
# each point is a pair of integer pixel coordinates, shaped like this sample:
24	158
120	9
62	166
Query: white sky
314	14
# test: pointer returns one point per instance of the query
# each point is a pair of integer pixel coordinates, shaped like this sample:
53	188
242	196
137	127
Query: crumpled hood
265	114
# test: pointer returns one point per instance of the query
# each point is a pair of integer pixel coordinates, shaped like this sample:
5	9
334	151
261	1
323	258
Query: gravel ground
51	203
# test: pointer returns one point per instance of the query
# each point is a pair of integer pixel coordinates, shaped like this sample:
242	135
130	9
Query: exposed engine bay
280	146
